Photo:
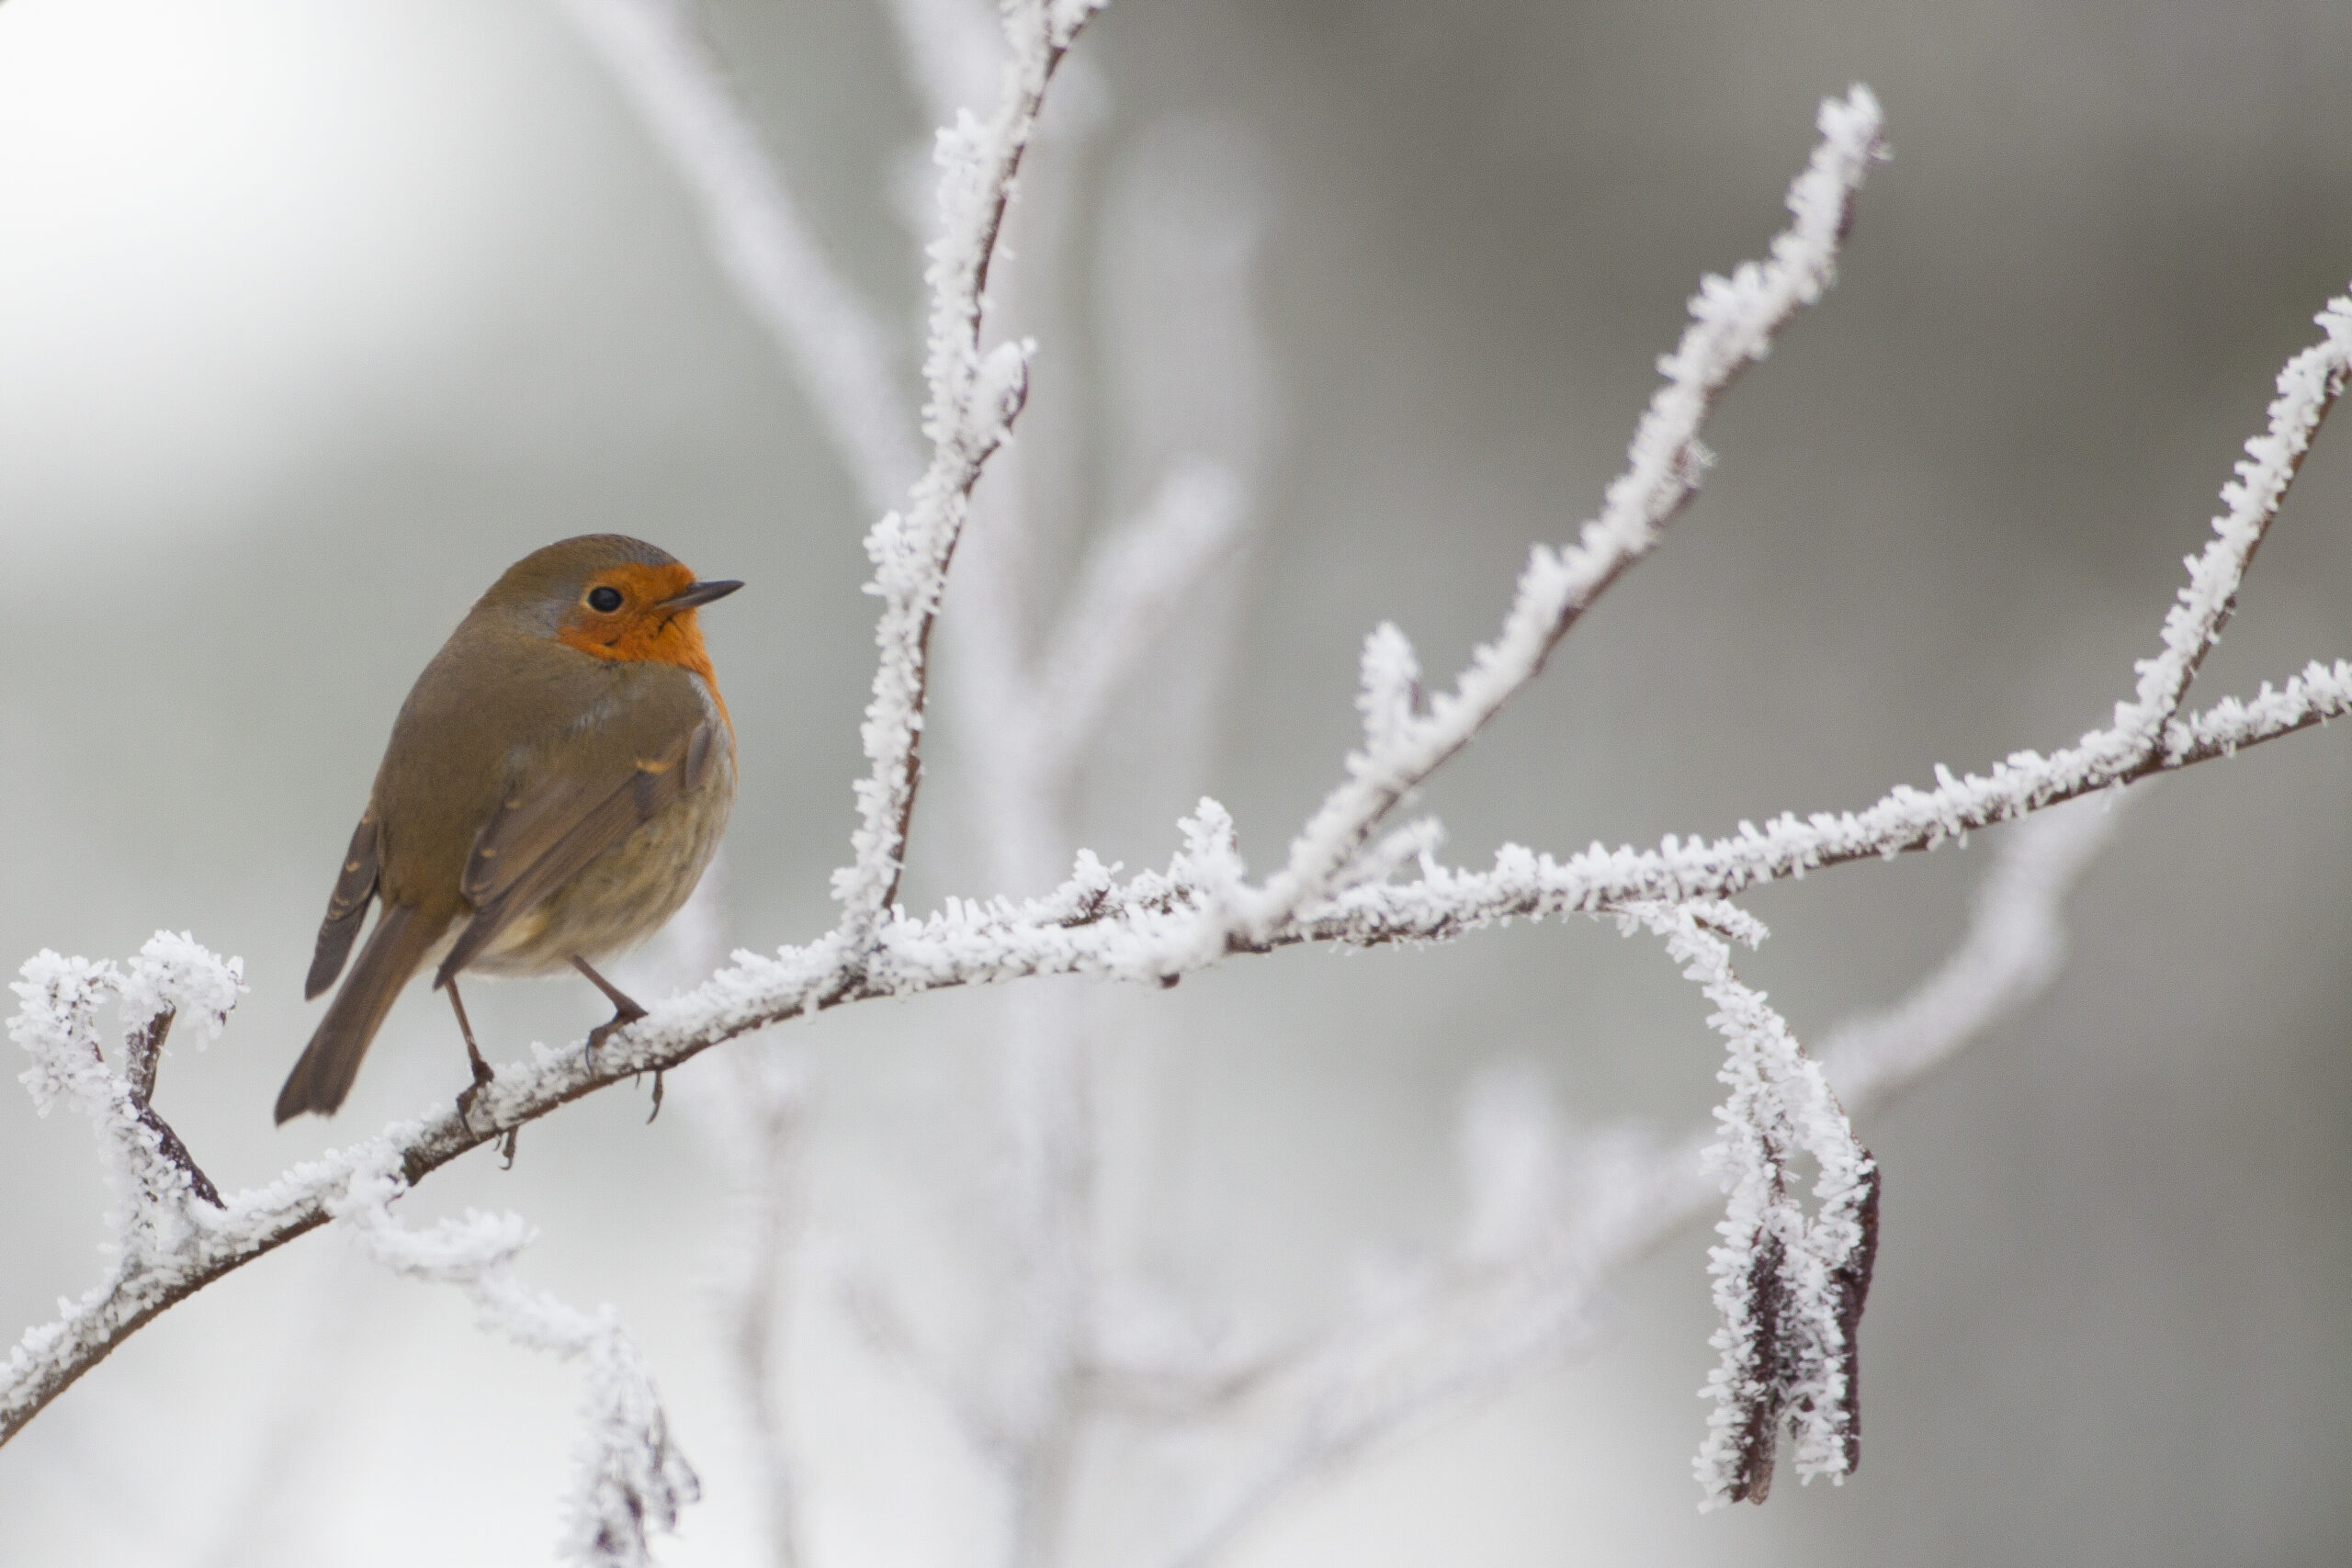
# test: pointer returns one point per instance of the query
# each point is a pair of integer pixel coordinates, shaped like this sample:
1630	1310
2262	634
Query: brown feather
395	947
347	908
544	838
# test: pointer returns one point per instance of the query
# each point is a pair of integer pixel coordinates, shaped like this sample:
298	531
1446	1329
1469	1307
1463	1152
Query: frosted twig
843	358
973	399
1041	723
1144	929
1733	323
156	1183
1523	883
632	1479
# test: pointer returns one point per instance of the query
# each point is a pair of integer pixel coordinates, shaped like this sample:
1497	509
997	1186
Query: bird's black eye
604	601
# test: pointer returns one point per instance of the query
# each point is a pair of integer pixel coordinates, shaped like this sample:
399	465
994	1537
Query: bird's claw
483	1078
603	1032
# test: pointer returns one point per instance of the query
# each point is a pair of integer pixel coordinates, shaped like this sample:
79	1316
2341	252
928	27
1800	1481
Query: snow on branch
631	1478
156	1183
974	397
2321	693
1733	322
1525	883
2307	387
1789	1286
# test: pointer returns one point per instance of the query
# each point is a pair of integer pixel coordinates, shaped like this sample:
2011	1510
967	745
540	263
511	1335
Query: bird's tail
395	947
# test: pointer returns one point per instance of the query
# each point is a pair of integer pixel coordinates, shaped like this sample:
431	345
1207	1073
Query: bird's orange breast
642	630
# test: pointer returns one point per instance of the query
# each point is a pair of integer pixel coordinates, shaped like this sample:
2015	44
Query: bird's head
611	597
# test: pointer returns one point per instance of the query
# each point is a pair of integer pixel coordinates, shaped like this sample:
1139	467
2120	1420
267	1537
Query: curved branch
1160	925
1086	928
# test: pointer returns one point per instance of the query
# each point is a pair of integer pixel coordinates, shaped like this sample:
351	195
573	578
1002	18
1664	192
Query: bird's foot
621	1019
625	1009
483	1078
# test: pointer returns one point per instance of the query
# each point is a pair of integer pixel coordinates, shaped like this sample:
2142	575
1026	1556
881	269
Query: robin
553	788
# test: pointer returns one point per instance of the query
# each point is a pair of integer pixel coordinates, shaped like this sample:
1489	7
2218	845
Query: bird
554	786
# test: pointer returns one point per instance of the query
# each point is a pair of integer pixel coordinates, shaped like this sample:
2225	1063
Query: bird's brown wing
346	906
552	822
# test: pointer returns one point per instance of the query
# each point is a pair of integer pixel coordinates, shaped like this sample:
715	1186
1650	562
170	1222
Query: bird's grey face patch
544	617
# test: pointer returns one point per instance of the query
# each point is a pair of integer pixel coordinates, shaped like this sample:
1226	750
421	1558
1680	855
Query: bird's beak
696	594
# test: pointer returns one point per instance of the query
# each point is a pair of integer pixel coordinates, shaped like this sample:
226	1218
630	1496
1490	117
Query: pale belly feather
624	895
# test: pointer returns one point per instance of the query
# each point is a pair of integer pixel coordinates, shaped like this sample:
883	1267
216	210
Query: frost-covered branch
157	1185
973	399
1521	882
973	395
1734	322
1039	716
632	1479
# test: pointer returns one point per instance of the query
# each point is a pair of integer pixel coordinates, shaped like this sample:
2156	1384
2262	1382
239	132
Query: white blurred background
314	316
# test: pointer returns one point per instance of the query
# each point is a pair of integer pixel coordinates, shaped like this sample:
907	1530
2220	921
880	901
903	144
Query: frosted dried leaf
1789	1286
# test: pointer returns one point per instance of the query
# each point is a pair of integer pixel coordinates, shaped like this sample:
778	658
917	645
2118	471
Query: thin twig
1734	323
974	398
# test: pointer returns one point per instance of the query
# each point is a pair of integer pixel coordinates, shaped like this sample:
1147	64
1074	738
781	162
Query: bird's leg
624	1011
483	1075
